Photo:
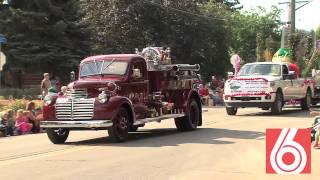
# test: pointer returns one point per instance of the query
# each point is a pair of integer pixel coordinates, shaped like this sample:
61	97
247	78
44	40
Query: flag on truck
282	55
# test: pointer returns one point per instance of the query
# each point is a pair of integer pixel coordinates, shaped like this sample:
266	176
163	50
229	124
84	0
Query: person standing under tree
45	84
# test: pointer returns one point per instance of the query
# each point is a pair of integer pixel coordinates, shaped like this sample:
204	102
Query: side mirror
72	76
136	74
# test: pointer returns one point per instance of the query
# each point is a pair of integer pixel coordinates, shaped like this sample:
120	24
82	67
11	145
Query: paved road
224	147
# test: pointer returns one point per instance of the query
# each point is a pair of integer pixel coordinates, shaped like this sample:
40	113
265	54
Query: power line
182	11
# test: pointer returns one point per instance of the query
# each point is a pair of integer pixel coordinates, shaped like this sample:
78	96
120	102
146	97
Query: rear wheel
57	136
306	102
119	130
231	111
276	108
191	121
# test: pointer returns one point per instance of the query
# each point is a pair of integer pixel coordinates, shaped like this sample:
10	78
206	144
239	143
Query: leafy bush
10	93
17	104
20	104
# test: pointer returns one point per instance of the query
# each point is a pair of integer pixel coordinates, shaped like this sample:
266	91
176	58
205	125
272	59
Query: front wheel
306	102
231	111
190	122
57	136
276	108
120	128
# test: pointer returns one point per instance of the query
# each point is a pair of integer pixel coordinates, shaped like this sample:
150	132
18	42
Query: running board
159	118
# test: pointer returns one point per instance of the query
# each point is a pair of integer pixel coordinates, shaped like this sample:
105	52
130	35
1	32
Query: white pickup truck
266	85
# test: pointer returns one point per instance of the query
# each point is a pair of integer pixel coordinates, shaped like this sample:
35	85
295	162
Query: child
6	124
22	123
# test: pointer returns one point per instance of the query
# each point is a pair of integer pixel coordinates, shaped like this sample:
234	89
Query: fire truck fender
119	101
194	95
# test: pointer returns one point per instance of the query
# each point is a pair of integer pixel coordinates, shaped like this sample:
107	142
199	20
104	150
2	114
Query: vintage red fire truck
122	92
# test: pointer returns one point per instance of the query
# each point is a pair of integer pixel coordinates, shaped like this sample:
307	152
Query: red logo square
288	151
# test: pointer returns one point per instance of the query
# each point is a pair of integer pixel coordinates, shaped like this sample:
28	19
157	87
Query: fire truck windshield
106	67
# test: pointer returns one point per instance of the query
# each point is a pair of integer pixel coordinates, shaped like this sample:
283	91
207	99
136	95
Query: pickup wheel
231	111
120	128
306	102
276	108
190	122
57	136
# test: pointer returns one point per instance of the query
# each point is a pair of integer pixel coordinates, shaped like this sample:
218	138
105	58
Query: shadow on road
171	137
287	112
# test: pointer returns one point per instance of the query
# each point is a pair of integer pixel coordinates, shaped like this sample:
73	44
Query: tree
193	29
231	4
44	36
250	29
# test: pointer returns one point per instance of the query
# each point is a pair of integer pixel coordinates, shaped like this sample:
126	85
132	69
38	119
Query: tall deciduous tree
250	30
44	35
193	30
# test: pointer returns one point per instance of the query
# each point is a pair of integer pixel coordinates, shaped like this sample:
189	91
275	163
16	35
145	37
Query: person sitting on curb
22	124
6	124
31	115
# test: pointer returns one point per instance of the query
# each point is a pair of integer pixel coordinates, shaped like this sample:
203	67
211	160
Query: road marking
43	155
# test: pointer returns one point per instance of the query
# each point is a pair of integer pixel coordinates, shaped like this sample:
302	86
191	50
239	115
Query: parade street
225	147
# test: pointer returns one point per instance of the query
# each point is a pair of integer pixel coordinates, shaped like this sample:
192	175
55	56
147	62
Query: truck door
298	87
287	84
138	85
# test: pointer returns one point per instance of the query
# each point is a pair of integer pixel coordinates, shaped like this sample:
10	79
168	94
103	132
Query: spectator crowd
24	122
211	93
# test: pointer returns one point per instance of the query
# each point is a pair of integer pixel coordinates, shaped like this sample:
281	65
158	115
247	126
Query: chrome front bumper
76	124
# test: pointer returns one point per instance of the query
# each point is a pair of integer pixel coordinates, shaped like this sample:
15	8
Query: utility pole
292	12
292	16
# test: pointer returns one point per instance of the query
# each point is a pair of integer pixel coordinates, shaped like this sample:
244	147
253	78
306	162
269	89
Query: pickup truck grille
74	109
77	93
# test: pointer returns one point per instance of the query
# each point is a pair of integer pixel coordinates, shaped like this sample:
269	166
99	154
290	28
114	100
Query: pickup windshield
260	69
105	67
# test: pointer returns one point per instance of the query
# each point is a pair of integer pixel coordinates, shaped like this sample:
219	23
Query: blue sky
307	17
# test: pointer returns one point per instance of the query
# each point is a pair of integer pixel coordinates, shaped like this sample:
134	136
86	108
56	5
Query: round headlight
103	98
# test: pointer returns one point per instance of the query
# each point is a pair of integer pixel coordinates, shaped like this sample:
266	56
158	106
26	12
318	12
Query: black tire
265	108
190	122
231	111
57	136
120	128
276	107
306	102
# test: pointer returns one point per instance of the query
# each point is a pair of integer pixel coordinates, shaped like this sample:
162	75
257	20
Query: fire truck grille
77	93
75	109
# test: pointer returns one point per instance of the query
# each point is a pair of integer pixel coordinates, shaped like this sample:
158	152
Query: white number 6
286	144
